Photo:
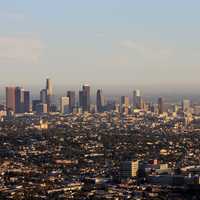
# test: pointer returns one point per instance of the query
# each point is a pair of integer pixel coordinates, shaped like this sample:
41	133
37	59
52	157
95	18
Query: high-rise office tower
10	98
64	105
124	101
35	103
137	100
43	96
19	100
26	101
49	87
84	98
72	100
186	105
160	106
124	104
41	108
49	93
174	108
100	101
81	98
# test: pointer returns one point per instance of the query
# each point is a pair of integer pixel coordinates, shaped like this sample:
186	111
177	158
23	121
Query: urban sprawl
111	149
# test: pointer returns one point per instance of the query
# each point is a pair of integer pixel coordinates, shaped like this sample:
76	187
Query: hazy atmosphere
147	44
100	99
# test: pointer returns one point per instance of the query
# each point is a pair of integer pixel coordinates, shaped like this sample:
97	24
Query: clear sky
102	42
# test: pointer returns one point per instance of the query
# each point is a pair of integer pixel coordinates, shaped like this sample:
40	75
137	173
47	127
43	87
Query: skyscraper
35	103
124	101
49	87
41	108
186	105
19	100
26	101
124	105
43	96
84	98
49	93
100	101
10	98
72	100
64	105
137	100
81	98
160	106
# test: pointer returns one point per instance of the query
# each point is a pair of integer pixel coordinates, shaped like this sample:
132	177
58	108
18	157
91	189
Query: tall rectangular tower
10	98
124	101
186	105
81	98
100	101
49	87
72	100
137	100
43	96
86	98
19	100
26	101
160	106
49	93
64	105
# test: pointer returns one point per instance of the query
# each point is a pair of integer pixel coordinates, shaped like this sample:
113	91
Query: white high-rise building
64	105
137	100
136	93
186	105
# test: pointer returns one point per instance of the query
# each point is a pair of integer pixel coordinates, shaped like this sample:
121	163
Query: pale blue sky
102	42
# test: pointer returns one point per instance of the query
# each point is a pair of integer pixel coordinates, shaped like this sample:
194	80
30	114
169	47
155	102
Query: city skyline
100	100
19	100
132	42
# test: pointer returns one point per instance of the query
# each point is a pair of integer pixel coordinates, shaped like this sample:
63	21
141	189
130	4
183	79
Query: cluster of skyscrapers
18	101
44	105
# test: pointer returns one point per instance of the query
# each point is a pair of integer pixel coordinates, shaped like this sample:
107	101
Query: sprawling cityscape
99	100
108	149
